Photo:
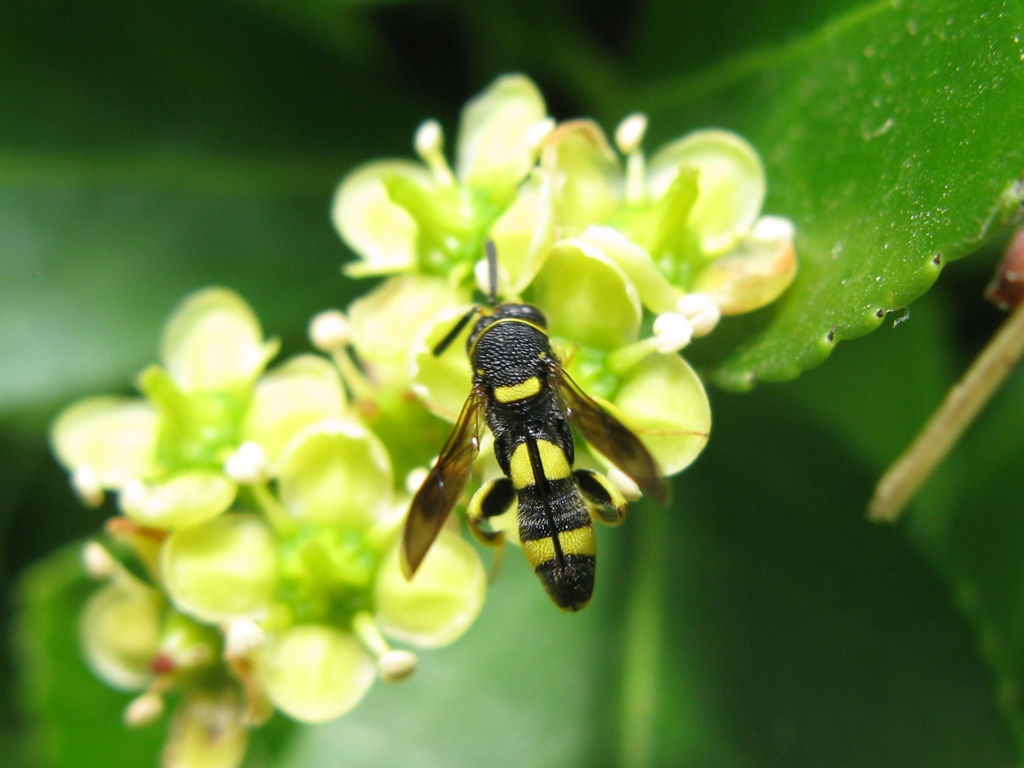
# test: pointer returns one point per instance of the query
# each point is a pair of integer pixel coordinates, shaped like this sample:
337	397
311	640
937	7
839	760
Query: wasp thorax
523	315
506	344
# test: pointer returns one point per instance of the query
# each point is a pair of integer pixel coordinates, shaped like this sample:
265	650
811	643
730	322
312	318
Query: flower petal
442	381
316	672
732	184
187	498
441	601
221	570
112	436
301	391
213	342
120	631
494	147
382	233
523	233
655	291
586	173
756	272
664	399
387	320
586	296
336	472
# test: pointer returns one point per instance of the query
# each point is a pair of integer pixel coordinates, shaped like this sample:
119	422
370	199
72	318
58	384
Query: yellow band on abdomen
579	541
552	460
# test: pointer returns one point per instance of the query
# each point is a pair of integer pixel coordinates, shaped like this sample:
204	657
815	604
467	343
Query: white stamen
429	144
134	495
87	486
143	710
396	665
330	330
242	637
429	139
628	138
630	133
672	332
701	312
97	561
772	229
248	464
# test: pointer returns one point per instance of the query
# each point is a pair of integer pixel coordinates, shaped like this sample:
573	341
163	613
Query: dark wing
617	442
444	485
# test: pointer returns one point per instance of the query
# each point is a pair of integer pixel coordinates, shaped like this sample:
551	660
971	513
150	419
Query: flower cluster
254	564
629	258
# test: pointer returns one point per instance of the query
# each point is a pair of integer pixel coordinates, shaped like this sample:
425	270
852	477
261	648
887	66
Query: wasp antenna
453	334
492	272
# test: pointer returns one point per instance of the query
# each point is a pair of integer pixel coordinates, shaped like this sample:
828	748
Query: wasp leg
493	499
608	502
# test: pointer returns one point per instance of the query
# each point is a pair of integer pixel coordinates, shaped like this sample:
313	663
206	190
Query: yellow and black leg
606	500
492	500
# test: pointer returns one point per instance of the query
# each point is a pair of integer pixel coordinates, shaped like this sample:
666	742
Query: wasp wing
617	442
444	485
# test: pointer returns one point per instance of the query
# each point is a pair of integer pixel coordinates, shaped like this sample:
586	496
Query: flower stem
274	512
962	403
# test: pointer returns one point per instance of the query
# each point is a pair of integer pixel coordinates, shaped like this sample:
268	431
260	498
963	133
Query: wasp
529	402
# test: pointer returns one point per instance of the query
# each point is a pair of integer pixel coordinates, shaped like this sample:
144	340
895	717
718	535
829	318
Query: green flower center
326	575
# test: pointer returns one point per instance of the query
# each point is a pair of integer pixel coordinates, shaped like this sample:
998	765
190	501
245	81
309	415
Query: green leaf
891	137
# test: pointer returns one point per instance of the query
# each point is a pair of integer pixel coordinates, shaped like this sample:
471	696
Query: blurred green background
148	149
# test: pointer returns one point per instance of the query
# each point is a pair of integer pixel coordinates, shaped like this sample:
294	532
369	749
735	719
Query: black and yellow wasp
528	401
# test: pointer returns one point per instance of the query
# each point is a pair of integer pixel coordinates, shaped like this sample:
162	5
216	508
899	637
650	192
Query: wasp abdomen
564	561
554	526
